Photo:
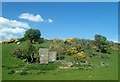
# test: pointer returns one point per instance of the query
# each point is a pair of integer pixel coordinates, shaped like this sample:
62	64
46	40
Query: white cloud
31	17
11	28
50	20
12	23
6	36
16	30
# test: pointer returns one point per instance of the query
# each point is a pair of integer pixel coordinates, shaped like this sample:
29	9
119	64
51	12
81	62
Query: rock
67	63
84	63
17	72
18	43
103	64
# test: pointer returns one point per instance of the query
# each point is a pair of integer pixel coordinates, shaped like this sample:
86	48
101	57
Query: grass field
0	62
97	73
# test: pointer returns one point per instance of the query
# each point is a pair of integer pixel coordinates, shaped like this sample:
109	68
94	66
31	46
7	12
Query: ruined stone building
46	56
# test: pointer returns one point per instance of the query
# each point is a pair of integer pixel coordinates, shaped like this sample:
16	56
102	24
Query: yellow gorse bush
10	41
54	47
80	55
114	48
69	40
57	40
16	40
71	51
94	47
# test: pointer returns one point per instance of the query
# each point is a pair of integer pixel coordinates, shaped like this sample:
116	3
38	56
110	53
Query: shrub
60	57
21	39
17	52
16	40
11	71
26	52
80	55
10	41
71	51
69	41
29	50
59	49
41	40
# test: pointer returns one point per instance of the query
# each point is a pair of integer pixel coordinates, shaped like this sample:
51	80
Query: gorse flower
79	55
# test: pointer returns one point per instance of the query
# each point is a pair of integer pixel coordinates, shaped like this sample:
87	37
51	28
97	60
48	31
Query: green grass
46	44
97	73
0	62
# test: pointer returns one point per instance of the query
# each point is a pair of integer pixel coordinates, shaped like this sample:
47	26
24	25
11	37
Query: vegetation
101	43
88	59
27	52
96	73
32	35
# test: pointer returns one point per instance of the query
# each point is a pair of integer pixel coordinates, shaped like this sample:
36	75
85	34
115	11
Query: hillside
96	73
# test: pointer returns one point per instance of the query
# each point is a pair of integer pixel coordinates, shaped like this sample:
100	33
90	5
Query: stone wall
52	56
46	56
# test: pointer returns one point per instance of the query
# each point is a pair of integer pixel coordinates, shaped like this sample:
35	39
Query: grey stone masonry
46	56
52	56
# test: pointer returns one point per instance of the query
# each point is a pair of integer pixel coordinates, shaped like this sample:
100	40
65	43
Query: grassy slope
98	73
0	62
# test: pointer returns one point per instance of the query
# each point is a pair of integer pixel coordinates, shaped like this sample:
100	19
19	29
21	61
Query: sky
60	19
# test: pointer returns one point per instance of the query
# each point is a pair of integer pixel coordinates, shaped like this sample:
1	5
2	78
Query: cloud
11	28
31	17
35	18
12	23
16	30
5	36
50	20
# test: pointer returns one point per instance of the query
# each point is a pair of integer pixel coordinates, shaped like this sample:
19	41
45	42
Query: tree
41	40
32	34
101	42
28	52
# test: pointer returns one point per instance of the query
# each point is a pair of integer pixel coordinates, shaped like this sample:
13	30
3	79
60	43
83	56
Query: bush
21	39
41	40
29	52
60	57
69	41
17	52
71	51
80	55
11	71
58	47
26	52
10	41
